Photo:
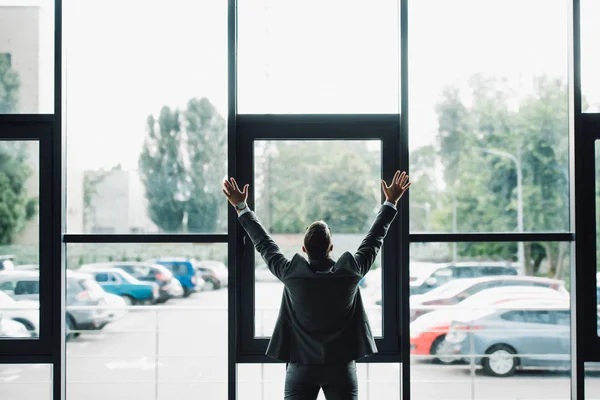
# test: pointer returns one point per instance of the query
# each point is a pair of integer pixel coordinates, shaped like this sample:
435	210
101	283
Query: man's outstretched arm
262	241
370	246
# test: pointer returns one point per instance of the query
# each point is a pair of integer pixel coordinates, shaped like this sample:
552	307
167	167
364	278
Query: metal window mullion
145	238
491	237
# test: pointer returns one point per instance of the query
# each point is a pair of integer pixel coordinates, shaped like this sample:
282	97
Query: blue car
120	283
183	270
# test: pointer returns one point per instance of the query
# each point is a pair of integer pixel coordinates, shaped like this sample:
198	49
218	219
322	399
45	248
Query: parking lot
179	351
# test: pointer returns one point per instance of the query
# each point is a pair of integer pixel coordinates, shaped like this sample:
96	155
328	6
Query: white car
115	305
214	273
27	312
13	329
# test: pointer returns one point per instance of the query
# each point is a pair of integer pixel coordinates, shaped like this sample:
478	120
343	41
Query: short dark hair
317	240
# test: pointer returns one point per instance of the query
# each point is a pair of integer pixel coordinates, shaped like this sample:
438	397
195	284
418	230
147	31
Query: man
322	327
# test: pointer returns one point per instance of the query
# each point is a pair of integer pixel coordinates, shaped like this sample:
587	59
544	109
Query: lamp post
517	161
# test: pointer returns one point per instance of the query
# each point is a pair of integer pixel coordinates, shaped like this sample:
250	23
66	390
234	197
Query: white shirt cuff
389	203
244	211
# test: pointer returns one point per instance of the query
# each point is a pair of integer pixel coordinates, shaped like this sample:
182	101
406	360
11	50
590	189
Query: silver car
526	334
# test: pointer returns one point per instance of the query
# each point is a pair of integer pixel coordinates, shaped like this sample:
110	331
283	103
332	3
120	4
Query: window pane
266	381
489	117
592	381
299	182
155	335
317	57
154	161
19	239
26	381
590	59
27	57
522	317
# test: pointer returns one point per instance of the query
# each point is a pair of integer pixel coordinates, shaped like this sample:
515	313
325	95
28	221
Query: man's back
322	294
322	318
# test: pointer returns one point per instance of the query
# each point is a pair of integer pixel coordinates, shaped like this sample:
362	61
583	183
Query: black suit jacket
322	319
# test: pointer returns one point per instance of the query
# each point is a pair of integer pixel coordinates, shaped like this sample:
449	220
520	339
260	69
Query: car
263	274
6	263
27	267
120	283
427	333
184	271
454	292
529	334
27	312
168	286
214	273
83	298
428	276
10	329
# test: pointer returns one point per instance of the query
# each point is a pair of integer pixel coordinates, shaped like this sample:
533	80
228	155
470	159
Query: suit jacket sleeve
264	244
370	246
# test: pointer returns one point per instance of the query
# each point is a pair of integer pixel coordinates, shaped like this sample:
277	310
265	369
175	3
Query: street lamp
517	161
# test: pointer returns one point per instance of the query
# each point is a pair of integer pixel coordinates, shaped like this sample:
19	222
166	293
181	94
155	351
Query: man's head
317	241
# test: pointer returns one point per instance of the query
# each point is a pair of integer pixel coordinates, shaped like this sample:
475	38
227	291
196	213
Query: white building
118	204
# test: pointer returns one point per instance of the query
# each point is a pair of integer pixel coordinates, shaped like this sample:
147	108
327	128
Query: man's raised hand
233	192
394	191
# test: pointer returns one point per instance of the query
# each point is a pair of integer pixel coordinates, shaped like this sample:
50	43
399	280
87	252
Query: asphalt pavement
178	351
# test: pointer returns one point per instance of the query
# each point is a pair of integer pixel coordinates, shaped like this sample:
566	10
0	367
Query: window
514	316
27	287
489	117
318	56
102	277
443	275
7	286
562	318
590	61
290	179
178	346
27	58
538	317
490	317
117	174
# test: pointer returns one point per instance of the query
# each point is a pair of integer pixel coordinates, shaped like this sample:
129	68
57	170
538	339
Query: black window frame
585	343
39	129
334	127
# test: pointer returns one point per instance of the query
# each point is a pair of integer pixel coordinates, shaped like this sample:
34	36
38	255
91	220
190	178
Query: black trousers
303	382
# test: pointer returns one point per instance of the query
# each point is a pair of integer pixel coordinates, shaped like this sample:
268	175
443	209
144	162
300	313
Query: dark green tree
9	86
15	202
206	134
162	170
300	182
16	205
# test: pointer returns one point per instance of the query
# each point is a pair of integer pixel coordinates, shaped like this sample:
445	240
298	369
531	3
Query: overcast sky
125	59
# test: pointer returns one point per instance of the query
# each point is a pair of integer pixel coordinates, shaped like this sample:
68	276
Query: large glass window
500	333
27	57
154	332
146	116
299	182
315	57
590	59
489	116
